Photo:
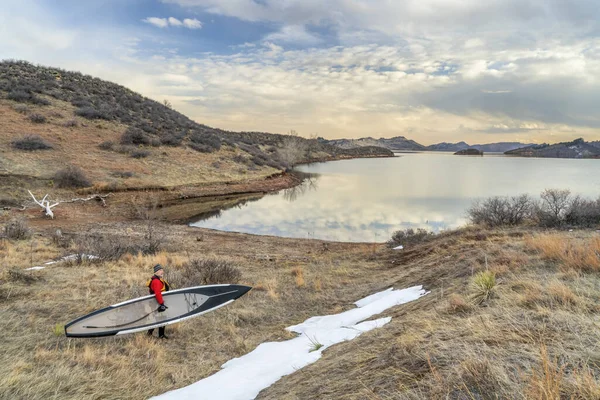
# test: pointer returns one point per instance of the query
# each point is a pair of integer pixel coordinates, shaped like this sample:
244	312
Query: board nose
241	290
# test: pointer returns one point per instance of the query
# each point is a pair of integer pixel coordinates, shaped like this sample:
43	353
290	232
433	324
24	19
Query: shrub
497	211
70	123
206	272
37	118
21	108
172	139
205	140
202	148
15	275
583	212
140	153
92	113
122	174
26	97
409	236
484	284
30	143
17	229
552	209
107	145
135	136
71	177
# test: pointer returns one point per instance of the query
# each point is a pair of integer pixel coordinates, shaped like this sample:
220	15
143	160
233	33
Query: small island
469	152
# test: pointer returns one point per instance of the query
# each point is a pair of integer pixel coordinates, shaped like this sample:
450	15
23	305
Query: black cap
157	267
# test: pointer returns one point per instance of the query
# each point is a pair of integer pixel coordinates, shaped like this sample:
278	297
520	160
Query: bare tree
167	104
553	207
293	149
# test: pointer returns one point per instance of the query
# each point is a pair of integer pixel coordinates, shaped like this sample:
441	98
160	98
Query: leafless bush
15	275
582	212
552	209
17	229
135	136
37	118
409	236
71	177
140	153
21	108
498	211
205	272
293	150
70	123
31	143
23	96
93	113
107	145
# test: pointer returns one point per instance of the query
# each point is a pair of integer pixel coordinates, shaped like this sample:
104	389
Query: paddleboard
141	314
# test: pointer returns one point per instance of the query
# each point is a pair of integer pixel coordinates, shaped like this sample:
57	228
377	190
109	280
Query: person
156	285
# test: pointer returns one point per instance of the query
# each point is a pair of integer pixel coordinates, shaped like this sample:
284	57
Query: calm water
369	199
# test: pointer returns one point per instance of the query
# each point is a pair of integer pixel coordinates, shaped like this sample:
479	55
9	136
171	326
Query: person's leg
161	332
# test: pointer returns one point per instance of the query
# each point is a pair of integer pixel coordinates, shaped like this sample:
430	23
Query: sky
430	70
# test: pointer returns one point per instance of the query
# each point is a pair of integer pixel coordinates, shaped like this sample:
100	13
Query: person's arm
157	287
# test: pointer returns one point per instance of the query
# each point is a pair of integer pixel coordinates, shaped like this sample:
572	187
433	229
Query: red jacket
157	286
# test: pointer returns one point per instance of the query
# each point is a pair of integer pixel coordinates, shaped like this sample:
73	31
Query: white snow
34	268
65	258
244	377
398	247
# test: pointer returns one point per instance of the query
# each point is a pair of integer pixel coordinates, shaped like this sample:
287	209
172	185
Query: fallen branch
93	197
45	204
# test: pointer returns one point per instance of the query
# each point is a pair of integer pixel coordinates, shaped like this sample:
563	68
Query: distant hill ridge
402	143
577	148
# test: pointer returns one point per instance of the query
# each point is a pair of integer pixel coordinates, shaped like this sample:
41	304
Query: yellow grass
570	253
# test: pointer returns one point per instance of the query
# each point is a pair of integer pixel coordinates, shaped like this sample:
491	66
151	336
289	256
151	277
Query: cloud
296	34
172	21
159	22
175	22
192	23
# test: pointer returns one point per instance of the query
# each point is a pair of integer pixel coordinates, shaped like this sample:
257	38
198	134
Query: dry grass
582	254
440	346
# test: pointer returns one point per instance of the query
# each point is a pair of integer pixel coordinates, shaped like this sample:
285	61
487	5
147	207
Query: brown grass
546	382
581	254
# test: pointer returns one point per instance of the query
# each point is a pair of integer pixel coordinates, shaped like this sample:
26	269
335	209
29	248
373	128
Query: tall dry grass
571	253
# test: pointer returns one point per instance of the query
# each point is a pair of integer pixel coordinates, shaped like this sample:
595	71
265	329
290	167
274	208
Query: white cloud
159	22
192	23
174	22
296	34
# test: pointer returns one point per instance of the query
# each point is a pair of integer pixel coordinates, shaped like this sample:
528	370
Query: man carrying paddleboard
156	285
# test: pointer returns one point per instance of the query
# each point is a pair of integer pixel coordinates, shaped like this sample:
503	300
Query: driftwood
45	204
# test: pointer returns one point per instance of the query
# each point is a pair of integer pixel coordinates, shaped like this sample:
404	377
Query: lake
366	200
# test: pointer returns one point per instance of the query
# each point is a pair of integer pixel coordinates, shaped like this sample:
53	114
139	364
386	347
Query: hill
395	143
402	143
578	148
53	119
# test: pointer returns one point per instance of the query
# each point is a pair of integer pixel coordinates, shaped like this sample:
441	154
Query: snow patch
398	247
65	258
244	377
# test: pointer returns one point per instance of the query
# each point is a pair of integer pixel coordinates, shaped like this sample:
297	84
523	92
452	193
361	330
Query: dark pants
161	331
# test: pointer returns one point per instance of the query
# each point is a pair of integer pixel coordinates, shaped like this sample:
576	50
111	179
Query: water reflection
309	183
367	200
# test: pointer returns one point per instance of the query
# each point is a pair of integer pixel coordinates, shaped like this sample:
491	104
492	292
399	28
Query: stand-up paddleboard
142	313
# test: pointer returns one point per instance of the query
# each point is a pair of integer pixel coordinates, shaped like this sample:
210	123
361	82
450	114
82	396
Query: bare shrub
111	247
552	209
107	145
140	153
135	136
15	275
409	236
37	118
21	108
172	138
123	174
70	123
92	113
498	211
205	142
17	229
71	177
292	150
23	96
31	143
205	272
582	212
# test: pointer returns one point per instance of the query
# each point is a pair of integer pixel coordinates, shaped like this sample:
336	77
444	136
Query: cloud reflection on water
369	199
